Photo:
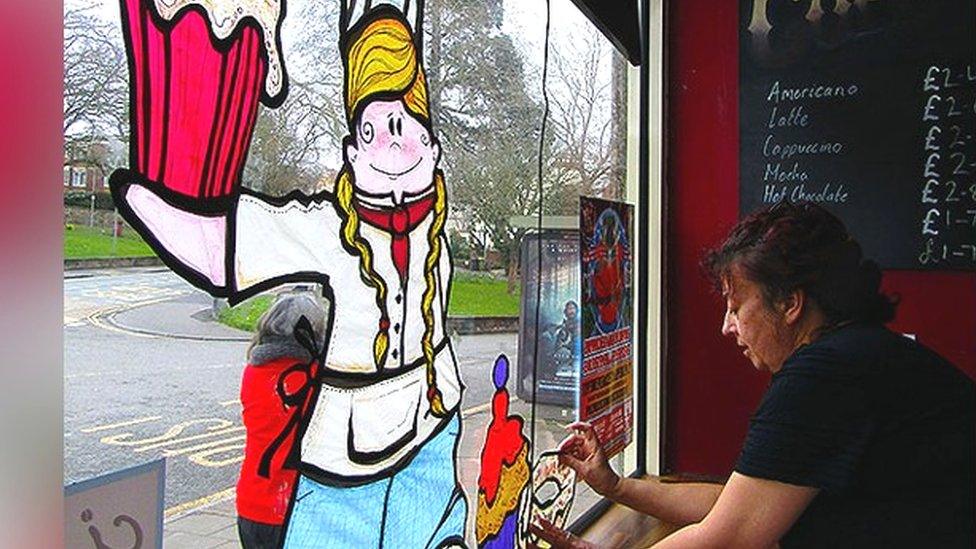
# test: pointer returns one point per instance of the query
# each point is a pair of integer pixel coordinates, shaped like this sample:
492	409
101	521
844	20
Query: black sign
867	107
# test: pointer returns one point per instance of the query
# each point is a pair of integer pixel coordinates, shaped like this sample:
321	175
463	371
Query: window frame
646	153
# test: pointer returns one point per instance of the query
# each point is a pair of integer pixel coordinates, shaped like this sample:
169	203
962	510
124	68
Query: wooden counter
623	527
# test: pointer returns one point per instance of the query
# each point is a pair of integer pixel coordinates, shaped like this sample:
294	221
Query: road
132	397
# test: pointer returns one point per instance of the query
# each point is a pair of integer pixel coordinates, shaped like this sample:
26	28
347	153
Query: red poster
607	378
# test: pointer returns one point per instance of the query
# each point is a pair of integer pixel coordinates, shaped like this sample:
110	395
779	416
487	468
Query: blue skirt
420	506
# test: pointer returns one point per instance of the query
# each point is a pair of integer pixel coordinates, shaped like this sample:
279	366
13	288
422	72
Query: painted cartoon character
383	424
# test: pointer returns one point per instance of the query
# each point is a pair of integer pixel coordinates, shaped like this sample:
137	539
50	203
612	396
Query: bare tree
488	113
96	98
284	149
487	121
581	107
292	144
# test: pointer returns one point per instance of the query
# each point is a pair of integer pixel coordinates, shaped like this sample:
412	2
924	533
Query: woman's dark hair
788	246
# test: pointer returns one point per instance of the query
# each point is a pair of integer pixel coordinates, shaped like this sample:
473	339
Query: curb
111	263
109	317
466	325
463	326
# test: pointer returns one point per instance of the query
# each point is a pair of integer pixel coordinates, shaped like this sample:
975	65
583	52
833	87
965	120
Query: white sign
120	510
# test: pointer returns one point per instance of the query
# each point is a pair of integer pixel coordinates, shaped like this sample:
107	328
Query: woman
278	359
864	438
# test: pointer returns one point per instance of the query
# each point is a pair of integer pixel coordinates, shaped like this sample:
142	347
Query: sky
523	19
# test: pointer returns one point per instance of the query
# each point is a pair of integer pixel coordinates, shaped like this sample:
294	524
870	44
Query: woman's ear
349	149
793	306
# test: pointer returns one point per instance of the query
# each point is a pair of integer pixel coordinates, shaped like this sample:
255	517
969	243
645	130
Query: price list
947	178
869	110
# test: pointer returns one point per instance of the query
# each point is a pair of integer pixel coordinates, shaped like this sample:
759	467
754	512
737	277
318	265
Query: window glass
585	153
484	67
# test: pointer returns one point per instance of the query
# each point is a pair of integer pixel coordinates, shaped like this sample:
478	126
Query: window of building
79	177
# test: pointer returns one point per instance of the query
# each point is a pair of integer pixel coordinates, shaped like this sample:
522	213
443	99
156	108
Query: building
87	166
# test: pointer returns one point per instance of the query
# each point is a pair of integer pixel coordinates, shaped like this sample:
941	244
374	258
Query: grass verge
481	295
90	243
245	315
471	295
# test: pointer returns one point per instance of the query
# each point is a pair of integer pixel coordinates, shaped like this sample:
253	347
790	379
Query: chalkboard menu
867	107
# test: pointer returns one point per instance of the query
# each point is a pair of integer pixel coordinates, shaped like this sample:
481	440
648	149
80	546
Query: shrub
103	199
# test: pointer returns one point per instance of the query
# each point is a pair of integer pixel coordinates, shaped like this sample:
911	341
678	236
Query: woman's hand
559	538
582	452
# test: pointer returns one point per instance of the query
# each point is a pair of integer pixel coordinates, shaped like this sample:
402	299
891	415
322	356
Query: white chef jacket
364	421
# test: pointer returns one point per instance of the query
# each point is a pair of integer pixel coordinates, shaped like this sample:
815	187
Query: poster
559	325
606	271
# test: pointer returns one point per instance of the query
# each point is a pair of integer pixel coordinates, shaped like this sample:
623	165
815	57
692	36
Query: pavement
204	528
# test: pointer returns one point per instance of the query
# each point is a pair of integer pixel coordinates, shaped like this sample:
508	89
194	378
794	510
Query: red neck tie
398	221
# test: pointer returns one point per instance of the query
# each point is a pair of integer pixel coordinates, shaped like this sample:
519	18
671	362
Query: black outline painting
381	429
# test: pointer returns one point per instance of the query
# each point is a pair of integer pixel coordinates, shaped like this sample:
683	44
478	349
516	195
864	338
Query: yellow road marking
203	458
96	318
188	506
203	446
120	424
174	431
189	438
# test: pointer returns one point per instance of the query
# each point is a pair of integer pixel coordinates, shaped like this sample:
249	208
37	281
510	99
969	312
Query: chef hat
355	11
382	60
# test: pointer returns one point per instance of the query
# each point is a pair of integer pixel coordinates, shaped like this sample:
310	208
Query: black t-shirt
885	428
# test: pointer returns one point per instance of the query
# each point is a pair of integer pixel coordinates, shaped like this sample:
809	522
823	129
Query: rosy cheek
411	147
382	140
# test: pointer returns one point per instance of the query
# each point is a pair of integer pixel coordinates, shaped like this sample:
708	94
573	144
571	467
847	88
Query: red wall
711	388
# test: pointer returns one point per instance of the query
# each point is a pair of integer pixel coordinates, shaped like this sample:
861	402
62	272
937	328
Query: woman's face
761	330
392	153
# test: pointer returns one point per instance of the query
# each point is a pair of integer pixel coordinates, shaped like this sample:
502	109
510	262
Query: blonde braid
351	236
433	258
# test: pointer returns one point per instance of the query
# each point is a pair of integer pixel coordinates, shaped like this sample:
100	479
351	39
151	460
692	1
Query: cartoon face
392	152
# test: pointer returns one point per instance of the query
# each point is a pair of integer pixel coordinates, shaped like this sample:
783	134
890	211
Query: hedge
103	199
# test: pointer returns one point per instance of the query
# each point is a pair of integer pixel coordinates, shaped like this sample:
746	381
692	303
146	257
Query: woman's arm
750	512
745	512
676	503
